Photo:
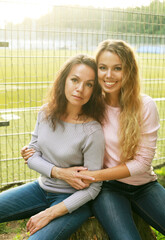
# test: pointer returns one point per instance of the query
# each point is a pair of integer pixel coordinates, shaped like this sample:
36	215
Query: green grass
28	74
18	135
15	230
25	77
8	227
158	235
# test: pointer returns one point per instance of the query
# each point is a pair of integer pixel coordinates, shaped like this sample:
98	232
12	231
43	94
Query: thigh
21	202
150	205
62	227
113	210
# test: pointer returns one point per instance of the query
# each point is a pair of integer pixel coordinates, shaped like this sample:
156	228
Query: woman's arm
70	175
93	160
93	152
36	161
33	157
114	173
146	148
145	151
41	219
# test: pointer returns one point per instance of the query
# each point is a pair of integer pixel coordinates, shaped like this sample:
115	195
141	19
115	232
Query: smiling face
79	85
110	72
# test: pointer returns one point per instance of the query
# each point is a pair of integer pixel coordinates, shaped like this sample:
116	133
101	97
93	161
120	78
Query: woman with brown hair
68	133
130	132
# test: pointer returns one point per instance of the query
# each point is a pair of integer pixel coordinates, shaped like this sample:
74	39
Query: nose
80	87
108	73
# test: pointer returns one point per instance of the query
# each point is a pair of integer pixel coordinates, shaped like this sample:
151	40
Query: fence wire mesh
32	51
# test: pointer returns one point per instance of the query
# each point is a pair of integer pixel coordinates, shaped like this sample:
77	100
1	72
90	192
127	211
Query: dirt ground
15	233
11	236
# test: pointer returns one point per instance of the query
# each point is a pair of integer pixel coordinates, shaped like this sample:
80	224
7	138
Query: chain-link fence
32	51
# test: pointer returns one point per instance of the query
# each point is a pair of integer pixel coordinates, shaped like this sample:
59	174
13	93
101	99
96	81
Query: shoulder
41	112
148	104
147	99
93	131
92	126
94	135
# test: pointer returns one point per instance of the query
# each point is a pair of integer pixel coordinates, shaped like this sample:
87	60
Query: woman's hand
26	153
89	175
38	221
43	218
73	176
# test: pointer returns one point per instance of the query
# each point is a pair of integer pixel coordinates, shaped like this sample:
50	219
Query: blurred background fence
33	49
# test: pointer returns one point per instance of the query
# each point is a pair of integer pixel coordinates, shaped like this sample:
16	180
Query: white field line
27	109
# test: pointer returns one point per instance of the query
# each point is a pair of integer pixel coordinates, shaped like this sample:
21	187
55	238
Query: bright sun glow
17	10
106	3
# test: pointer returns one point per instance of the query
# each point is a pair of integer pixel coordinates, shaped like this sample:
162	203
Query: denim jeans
113	208
29	199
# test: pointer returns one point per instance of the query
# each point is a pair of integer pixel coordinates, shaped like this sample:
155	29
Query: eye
102	68
118	68
90	85
75	80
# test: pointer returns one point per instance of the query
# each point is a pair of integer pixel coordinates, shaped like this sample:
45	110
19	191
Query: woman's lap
113	207
21	202
150	205
62	227
29	199
114	213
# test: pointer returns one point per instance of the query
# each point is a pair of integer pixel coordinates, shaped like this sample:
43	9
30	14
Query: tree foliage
140	20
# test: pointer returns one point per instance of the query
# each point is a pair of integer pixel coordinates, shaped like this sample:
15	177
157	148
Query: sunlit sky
16	10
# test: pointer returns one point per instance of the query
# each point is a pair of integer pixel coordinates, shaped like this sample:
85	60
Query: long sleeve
147	146
140	167
37	162
93	160
67	146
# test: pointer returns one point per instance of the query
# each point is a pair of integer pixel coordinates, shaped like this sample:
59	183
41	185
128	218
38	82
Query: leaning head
130	80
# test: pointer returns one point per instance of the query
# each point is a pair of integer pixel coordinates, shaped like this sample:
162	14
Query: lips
77	97
109	84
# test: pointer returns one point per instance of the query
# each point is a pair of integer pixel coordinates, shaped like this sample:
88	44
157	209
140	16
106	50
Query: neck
73	115
112	101
73	110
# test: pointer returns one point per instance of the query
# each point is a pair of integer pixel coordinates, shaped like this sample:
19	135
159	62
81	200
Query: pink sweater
140	167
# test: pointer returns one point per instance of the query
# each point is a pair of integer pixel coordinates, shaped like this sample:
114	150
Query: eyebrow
118	64
93	80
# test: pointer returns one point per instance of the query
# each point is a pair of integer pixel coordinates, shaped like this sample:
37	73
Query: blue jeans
29	199
113	208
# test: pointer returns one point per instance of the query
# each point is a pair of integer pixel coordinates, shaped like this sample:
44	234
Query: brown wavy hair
129	97
57	102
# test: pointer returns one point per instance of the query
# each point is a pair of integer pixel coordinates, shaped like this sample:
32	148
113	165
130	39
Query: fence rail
32	51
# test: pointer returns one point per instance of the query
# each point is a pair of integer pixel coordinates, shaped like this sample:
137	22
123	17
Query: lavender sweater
69	145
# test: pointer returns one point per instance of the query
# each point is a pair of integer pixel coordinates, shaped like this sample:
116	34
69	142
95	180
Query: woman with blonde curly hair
130	131
130	134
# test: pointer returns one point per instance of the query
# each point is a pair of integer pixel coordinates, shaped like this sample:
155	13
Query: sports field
25	77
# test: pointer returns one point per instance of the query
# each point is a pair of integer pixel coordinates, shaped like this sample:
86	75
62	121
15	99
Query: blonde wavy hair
129	97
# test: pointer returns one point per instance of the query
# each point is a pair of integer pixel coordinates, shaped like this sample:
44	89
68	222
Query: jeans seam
143	210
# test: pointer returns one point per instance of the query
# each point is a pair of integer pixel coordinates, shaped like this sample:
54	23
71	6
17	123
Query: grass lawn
25	77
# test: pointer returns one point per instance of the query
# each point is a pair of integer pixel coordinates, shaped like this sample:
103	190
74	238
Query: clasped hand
73	176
